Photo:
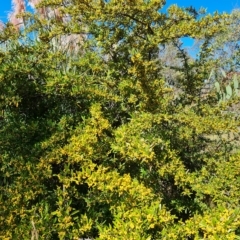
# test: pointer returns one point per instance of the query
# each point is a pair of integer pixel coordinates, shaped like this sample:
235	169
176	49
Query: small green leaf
217	86
235	82
211	74
229	92
223	73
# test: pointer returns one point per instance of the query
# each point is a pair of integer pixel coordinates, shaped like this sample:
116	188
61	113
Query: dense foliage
102	137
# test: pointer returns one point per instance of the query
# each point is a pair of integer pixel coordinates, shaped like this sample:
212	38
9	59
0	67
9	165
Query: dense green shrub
94	143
